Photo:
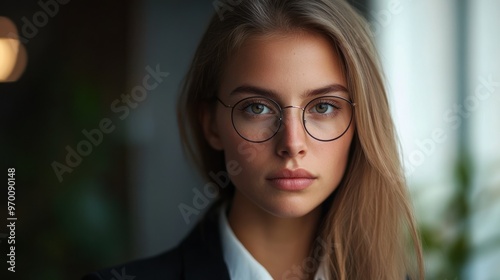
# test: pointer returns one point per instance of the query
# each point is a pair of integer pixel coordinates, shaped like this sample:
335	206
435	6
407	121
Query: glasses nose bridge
282	119
291	107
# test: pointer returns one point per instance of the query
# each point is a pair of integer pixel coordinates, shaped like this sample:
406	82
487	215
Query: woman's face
292	173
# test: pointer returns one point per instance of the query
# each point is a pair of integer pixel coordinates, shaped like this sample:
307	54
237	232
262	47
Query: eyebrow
273	94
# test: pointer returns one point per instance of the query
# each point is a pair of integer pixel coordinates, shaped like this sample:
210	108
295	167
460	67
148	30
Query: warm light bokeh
12	53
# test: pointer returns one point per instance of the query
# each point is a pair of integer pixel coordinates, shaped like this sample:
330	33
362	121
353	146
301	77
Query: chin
288	209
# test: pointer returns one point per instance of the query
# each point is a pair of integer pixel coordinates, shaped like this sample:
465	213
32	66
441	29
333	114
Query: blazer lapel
202	251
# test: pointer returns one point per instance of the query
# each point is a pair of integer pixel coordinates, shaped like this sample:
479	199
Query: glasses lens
256	119
327	118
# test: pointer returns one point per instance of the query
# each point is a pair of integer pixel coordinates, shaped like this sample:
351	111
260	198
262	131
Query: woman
287	99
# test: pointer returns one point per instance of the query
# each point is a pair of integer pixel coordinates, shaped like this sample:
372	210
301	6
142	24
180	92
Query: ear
207	121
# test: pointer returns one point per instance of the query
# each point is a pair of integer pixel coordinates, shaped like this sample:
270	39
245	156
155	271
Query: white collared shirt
241	264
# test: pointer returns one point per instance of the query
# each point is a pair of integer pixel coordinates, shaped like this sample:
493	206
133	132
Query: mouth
291	180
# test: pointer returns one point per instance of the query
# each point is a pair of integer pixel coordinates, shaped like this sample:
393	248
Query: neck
281	245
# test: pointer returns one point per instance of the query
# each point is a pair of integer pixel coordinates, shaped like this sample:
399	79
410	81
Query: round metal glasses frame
281	116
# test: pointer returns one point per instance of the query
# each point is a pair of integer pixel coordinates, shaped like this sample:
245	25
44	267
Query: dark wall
77	64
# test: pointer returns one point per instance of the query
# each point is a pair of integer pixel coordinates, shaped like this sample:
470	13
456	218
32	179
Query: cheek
343	148
332	158
346	148
235	147
249	156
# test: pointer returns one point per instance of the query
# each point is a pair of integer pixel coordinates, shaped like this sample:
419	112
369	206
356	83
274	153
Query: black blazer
198	256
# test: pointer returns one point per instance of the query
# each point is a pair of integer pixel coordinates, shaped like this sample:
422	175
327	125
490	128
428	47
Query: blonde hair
369	218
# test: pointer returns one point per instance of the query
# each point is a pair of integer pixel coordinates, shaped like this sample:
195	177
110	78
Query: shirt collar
240	263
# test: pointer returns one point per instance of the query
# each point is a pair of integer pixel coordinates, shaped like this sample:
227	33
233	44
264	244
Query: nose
292	136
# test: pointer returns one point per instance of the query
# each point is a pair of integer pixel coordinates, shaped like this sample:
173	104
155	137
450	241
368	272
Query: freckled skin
289	65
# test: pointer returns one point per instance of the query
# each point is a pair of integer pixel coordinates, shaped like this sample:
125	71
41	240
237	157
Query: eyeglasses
258	119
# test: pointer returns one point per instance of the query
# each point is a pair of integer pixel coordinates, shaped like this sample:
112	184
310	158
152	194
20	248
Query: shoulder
198	256
167	265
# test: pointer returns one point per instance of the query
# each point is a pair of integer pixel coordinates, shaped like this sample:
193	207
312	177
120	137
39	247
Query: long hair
368	226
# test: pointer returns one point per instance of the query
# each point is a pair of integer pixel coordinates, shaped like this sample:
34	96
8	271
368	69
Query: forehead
288	64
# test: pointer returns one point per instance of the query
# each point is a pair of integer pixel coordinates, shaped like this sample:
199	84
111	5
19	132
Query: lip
291	180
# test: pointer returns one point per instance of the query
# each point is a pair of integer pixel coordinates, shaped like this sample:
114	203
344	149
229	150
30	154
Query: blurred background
90	127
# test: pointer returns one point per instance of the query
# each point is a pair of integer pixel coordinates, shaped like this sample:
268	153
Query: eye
326	107
257	109
323	108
